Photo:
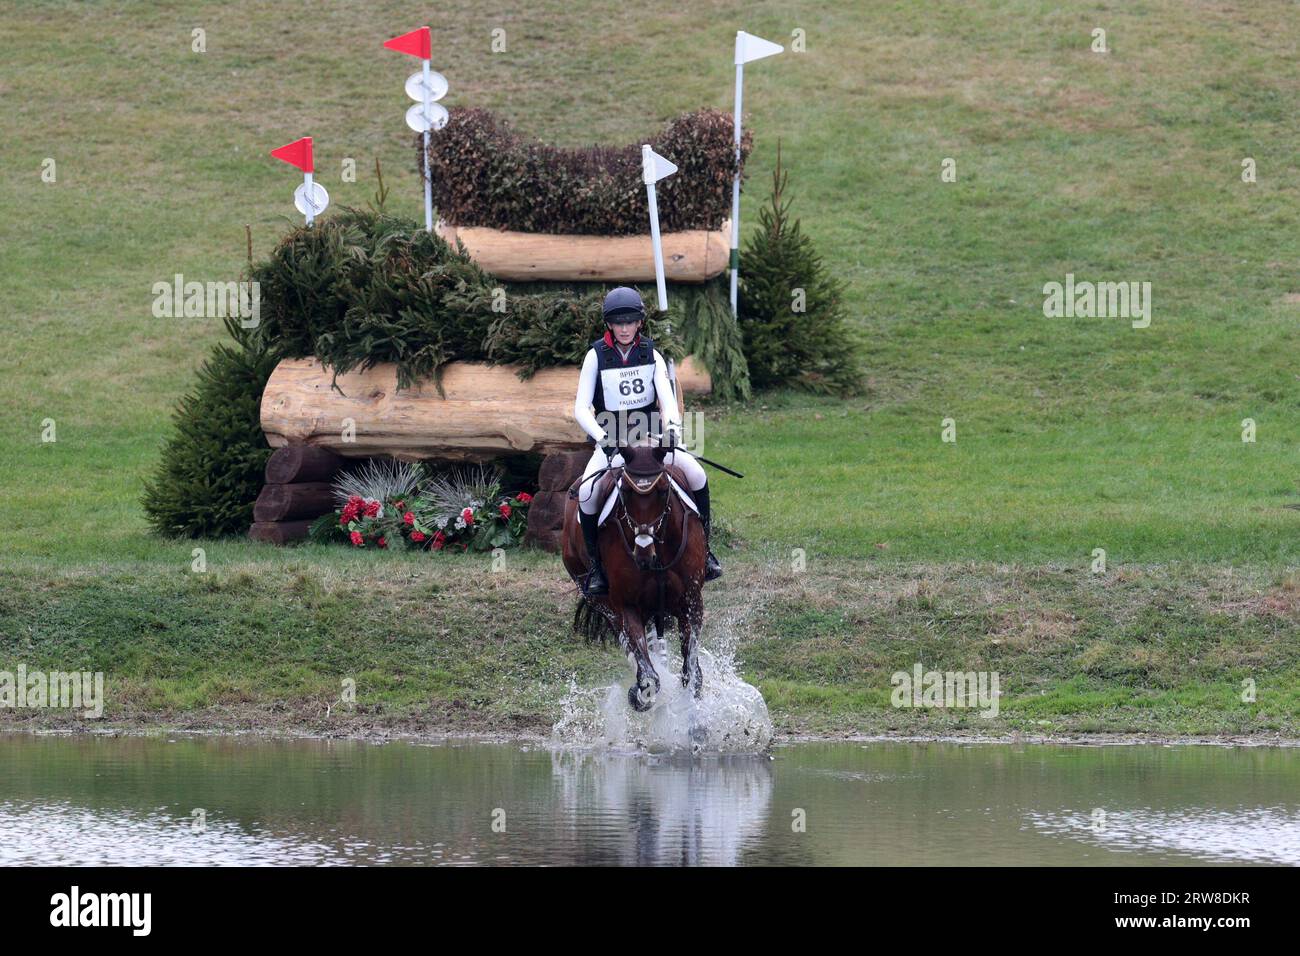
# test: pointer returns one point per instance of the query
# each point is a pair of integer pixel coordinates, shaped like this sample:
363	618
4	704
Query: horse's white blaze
644	541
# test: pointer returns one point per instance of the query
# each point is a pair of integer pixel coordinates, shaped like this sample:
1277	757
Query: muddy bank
466	726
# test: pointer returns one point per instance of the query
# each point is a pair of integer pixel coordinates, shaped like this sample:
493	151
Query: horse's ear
660	453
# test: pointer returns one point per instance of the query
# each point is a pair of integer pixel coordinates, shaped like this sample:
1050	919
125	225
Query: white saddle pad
608	508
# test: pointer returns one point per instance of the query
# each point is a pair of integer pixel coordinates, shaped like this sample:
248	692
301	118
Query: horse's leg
640	695
691	622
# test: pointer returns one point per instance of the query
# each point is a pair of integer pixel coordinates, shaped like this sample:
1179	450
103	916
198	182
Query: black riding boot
712	569
597	583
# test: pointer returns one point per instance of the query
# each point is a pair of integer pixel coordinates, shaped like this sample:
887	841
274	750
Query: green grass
269	643
1072	434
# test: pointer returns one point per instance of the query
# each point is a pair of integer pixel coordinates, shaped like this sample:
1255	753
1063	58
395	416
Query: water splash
729	718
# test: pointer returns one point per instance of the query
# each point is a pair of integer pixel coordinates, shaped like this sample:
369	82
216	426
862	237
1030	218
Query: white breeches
590	499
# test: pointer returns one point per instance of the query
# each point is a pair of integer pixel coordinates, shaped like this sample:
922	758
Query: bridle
653	528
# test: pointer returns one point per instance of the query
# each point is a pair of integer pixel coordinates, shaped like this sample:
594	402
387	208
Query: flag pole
647	161
305	197
734	261
653	168
748	48
428	181
311	205
421	117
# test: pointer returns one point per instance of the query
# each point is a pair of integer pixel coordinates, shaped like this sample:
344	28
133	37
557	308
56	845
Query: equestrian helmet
622	305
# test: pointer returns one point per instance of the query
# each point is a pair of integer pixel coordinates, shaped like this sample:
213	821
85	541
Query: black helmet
623	305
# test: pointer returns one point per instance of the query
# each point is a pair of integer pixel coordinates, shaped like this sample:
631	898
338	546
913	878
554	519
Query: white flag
654	167
750	47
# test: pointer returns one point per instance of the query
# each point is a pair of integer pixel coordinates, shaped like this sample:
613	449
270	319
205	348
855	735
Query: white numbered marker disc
315	204
415	117
415	86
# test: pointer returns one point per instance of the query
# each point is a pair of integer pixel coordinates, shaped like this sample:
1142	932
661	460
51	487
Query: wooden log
693	255
299	463
309	499
280	532
485	412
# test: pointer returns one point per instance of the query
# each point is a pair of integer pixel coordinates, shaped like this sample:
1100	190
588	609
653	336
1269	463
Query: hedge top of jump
486	174
359	288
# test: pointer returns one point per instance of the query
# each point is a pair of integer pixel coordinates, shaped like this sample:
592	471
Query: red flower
343	520
409	517
439	539
523	497
355	501
372	509
505	511
382	543
357	539
417	536
401	505
467	516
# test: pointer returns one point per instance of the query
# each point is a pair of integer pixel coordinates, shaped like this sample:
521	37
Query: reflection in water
665	810
1262	835
131	800
56	833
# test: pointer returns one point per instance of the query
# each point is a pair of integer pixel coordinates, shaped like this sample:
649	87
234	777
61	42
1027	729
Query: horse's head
646	497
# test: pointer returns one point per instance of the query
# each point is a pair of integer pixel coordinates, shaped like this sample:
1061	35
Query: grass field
1159	650
1072	434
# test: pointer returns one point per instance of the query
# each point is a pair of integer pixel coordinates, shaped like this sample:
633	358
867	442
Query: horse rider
623	381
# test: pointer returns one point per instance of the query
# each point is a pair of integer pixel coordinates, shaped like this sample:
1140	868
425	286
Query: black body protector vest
625	402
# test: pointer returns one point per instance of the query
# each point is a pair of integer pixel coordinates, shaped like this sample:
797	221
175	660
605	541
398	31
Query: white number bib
628	387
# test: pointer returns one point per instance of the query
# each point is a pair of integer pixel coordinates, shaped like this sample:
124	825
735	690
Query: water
133	800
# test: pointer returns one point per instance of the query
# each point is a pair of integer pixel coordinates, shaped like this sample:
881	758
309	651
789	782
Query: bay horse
653	549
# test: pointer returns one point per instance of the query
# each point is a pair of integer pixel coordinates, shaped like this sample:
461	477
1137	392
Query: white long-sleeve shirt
589	381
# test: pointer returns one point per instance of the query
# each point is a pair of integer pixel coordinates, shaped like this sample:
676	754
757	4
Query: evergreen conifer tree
790	307
213	467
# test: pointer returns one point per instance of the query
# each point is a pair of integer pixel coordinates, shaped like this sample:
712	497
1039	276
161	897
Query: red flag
297	153
415	43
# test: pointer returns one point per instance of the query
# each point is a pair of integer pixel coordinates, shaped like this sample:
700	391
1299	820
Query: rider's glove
610	444
671	438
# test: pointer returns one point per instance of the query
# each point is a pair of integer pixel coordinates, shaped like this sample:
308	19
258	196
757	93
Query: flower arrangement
395	505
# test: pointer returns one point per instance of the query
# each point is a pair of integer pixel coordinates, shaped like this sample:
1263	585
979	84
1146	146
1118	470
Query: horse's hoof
697	680
641	700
